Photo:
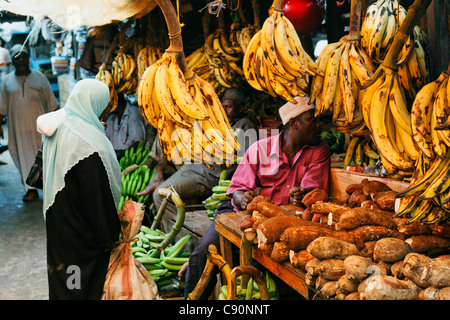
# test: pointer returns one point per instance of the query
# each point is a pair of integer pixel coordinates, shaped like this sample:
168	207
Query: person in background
25	95
125	127
271	167
195	180
81	185
5	60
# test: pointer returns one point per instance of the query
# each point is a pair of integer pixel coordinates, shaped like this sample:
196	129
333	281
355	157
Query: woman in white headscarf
81	188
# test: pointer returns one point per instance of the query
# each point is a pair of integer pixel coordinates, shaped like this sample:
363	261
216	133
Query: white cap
291	110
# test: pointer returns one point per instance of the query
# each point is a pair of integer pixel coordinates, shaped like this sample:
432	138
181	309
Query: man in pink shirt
296	157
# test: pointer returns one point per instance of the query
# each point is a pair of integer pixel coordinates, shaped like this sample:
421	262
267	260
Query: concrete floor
23	267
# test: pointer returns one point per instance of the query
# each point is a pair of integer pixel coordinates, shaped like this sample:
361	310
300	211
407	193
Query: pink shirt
265	165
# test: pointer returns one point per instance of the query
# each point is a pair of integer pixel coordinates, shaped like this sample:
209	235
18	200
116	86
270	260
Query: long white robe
23	99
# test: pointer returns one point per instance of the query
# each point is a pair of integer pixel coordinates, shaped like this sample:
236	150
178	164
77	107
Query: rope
214	7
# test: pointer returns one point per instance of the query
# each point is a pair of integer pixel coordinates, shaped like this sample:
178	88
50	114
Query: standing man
25	95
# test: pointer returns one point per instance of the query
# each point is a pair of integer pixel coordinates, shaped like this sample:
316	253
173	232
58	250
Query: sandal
30	195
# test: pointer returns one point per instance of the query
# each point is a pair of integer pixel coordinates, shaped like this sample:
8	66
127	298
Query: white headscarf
79	135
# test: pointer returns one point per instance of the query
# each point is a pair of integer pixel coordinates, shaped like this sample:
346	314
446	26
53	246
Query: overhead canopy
69	14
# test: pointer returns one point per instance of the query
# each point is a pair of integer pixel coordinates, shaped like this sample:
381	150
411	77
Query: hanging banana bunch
105	76
275	61
184	108
384	104
430	121
381	23
413	70
147	56
124	73
345	66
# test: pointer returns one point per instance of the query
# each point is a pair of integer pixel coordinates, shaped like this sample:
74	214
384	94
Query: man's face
232	109
21	62
309	128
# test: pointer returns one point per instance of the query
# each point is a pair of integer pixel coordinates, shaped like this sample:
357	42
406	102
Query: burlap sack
127	279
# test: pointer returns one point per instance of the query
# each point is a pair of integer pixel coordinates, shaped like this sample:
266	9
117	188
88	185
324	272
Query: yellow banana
322	60
379	129
180	92
345	84
149	107
331	74
249	61
398	105
164	96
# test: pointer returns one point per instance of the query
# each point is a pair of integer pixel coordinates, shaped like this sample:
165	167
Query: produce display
162	264
373	83
135	174
363	245
252	290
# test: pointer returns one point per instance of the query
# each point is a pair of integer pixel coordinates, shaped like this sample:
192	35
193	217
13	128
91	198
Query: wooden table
227	225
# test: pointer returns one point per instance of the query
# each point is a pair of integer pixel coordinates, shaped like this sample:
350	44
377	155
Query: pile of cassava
362	253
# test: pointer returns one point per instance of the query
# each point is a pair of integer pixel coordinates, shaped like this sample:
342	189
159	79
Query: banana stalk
180	216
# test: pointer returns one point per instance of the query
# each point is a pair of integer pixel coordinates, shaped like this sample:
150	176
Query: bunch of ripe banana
413	70
362	151
382	21
124	72
346	67
224	59
430	122
105	76
252	291
427	197
380	24
245	35
386	114
147	56
197	61
430	126
261	105
275	61
189	117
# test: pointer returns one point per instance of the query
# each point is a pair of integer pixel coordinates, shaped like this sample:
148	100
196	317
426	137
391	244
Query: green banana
220	189
369	152
179	246
220	196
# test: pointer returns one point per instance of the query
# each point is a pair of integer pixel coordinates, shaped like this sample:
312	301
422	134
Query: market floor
23	271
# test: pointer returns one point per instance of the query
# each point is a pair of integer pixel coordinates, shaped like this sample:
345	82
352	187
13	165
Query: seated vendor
195	180
296	157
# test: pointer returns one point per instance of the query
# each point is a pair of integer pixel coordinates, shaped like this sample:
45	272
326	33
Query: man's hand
156	182
242	198
296	195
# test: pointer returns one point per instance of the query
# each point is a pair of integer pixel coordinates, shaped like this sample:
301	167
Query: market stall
380	88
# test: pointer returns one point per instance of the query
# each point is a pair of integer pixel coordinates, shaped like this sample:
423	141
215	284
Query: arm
317	176
156	182
242	198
